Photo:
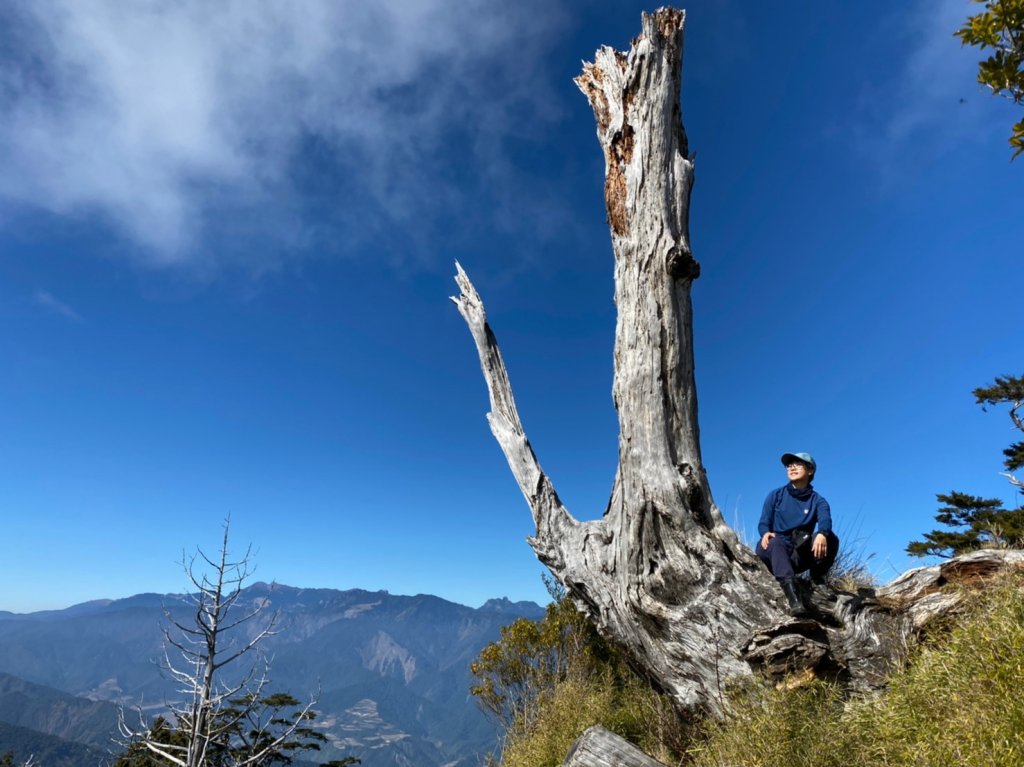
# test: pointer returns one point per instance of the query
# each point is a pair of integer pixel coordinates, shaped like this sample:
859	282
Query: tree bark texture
597	747
661	573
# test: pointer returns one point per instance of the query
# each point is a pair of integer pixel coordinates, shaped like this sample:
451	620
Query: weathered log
597	747
661	574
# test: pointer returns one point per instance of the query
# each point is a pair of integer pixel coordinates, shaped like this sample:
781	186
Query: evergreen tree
980	522
976	522
252	728
138	755
1007	390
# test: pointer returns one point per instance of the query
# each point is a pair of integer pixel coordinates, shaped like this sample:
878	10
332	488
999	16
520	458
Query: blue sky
227	237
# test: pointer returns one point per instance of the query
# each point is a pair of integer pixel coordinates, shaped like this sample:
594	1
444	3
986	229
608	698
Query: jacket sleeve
824	514
767	515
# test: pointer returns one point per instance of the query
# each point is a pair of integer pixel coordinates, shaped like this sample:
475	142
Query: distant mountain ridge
393	671
56	713
47	749
508	607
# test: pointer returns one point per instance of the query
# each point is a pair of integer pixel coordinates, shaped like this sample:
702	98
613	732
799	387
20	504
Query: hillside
52	712
47	750
392	671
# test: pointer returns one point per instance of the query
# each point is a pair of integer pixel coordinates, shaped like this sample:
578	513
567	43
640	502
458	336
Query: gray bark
862	637
597	747
661	573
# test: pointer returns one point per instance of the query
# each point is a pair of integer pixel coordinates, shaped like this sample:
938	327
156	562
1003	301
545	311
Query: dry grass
961	701
958	703
631	710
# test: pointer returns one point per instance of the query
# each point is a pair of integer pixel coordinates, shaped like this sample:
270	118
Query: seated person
789	544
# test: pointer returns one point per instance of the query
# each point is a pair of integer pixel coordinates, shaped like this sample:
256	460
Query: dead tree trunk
661	573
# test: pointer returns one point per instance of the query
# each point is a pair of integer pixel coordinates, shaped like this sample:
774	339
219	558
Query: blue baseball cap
788	458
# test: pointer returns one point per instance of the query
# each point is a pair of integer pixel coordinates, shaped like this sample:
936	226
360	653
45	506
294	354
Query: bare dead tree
661	574
228	723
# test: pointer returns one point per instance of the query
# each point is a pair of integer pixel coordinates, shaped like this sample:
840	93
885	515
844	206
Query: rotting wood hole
622	143
615	199
620	153
973	574
681	264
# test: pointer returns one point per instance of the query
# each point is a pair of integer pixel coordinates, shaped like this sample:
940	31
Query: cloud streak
938	71
192	126
53	304
931	104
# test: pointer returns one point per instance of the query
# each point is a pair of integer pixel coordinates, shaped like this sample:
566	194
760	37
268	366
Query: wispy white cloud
53	304
938	72
182	121
931	104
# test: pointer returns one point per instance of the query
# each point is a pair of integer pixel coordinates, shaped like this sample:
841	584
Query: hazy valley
391	673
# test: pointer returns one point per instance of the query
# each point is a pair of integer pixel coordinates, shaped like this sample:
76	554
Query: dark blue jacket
783	512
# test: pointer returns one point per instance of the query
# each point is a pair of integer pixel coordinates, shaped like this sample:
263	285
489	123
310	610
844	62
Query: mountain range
390	674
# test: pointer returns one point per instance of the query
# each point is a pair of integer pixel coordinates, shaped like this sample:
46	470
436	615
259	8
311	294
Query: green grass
960	702
631	710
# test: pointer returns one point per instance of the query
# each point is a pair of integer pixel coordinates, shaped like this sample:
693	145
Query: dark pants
785	561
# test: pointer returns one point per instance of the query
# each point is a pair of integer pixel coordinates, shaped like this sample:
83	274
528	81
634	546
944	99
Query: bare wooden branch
1018	421
260	755
554	524
1012	479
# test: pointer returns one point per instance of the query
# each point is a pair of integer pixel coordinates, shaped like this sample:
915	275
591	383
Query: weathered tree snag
661	573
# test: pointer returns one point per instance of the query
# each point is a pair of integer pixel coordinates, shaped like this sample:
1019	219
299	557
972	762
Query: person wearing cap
796	530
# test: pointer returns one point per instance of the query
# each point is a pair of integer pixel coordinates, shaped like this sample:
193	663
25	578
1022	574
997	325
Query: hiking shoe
796	605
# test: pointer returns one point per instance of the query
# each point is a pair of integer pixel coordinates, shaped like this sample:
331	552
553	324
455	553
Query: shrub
547	681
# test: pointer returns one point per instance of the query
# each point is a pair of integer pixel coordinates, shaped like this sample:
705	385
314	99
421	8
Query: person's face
798	471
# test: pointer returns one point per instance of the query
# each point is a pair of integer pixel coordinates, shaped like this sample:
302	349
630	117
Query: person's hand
820	546
764	540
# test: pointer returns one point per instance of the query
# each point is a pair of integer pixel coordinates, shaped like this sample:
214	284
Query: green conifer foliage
976	522
1007	390
979	522
252	727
